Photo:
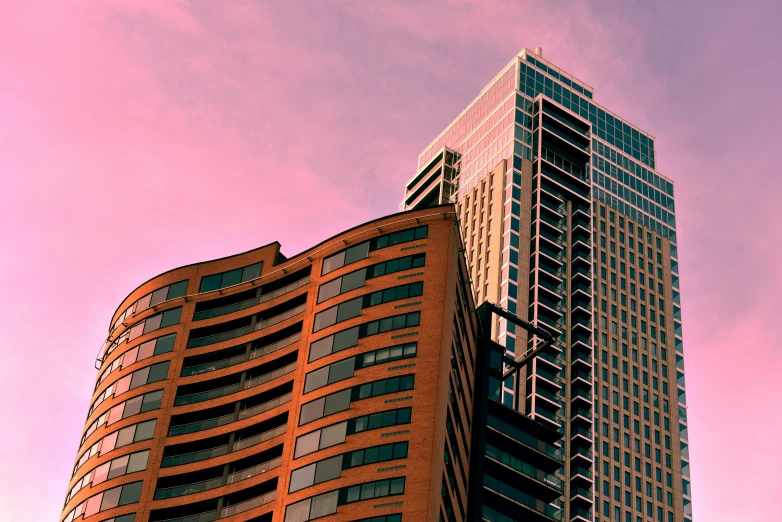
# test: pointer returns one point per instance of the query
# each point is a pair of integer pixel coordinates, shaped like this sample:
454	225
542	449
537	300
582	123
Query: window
138	404
341	370
148	374
340	401
143	351
117	439
349	338
111	498
155	322
326	504
158	296
361	250
111	469
357	279
331	468
230	278
352	308
336	433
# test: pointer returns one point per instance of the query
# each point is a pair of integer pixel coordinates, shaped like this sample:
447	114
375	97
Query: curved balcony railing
238	359
273	347
261	437
205	485
223	310
285	290
279	318
207	516
216	338
188	489
233	388
207	395
248	504
264	407
187	458
193	427
254	471
212	366
266	377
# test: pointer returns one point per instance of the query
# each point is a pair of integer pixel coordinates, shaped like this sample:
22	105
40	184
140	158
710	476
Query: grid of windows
634	440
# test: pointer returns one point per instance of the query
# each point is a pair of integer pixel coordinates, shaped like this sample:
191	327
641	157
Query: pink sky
137	136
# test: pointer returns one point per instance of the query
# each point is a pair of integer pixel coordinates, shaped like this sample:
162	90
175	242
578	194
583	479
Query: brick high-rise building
263	388
568	223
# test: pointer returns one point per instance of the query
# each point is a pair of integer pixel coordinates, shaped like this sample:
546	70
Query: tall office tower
259	388
567	222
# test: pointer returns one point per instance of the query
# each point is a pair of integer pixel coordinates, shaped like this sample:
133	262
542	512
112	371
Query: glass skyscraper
567	223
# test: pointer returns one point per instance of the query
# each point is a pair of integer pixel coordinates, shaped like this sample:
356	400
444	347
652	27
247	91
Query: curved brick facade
207	382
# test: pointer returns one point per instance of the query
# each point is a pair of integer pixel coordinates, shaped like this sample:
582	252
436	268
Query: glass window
302	478
357	253
311	411
349	309
306	444
331	263
341	370
329	290
325	318
328	469
337	402
323	347
298	512
333	435
353	280
323	505
316	379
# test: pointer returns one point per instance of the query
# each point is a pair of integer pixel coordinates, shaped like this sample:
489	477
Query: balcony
193	427
265	323
576	493
522	498
582	358
273	347
266	377
264	407
193	398
523	468
581	435
570	140
188	489
580	515
225	305
583	453
261	437
248	504
578	473
196	456
582	378
284	290
524	438
581	395
580	414
579	322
